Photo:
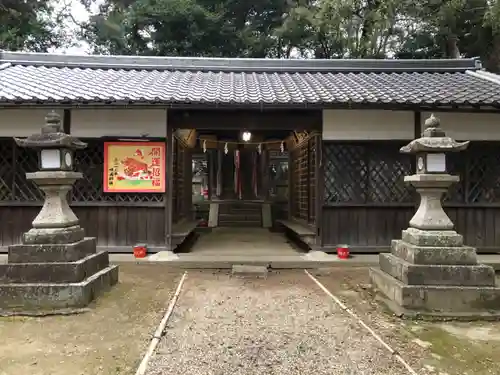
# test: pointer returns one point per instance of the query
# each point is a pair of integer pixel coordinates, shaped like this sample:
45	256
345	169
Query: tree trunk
493	61
452	47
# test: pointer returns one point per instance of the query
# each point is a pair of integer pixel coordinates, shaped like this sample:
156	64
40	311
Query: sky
80	14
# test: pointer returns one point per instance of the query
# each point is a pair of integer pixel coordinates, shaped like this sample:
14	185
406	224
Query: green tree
30	25
185	27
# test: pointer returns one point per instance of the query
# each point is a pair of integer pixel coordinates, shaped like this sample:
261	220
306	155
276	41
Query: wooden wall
117	228
371	229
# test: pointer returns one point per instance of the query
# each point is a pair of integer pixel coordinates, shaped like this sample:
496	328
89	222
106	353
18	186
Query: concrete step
246	223
240	211
240	217
249	271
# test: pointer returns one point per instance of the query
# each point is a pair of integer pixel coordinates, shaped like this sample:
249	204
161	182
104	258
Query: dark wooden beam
67	121
247	119
480	108
319	193
169	169
417	124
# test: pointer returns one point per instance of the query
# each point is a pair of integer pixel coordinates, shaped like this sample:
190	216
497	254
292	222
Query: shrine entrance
240	177
249	172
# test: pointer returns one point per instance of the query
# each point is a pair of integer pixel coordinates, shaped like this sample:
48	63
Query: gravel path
282	325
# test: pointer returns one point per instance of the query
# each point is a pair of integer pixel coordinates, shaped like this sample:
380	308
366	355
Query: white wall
346	124
337	124
22	122
468	126
118	122
88	122
381	125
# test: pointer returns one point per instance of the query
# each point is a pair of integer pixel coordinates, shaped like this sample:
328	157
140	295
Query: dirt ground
449	348
108	340
112	337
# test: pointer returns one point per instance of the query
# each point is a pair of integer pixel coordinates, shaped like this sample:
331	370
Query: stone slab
449	300
413	274
246	270
26	299
429	255
213	215
39	253
43	236
445	238
267	219
67	272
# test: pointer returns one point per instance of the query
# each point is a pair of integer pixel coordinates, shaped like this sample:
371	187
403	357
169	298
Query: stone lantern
56	222
55	267
429	272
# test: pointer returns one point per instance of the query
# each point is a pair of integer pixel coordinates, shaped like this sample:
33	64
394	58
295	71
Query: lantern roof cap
51	136
434	139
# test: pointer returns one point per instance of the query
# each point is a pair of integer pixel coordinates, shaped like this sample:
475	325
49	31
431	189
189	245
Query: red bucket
343	252
140	251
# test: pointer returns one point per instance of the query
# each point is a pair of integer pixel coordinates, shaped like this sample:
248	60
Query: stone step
35	298
248	271
452	275
240	217
437	299
61	272
430	255
246	224
23	253
240	211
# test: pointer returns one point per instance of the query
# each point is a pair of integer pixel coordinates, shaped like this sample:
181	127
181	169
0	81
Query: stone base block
415	274
249	271
53	235
43	253
30	299
429	255
445	238
438	300
67	272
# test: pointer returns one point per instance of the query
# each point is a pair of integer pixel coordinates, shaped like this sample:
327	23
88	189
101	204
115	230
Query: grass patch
458	353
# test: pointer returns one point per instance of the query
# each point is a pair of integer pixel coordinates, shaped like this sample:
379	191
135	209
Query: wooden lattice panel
366	173
303	174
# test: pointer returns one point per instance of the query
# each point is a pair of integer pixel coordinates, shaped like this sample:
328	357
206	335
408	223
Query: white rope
159	331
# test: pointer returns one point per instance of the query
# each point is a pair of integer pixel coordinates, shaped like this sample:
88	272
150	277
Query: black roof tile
46	78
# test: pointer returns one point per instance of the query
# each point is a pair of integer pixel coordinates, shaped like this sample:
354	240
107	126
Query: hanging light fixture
246	136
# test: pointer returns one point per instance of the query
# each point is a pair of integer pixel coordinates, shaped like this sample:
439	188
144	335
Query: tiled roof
44	78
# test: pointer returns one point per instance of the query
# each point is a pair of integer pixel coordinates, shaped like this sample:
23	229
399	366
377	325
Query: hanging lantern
226	149
282	147
259	148
204	147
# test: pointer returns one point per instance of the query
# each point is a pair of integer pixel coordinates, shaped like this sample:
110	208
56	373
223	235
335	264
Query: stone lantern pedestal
429	272
55	268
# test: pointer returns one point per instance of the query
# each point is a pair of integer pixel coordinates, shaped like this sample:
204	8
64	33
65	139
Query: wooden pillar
169	169
417	131
67	129
319	193
291	193
219	172
209	157
67	121
265	173
188	184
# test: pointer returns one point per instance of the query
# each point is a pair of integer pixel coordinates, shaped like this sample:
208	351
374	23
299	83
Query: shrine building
306	146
